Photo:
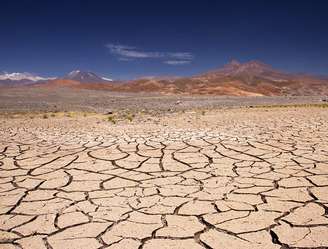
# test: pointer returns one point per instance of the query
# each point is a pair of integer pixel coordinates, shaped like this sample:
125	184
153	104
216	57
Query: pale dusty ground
31	99
242	178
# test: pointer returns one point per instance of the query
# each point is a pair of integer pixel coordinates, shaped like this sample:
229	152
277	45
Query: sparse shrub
45	116
293	105
111	119
130	117
203	112
53	115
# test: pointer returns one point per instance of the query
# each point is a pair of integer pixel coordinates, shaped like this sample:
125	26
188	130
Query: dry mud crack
250	179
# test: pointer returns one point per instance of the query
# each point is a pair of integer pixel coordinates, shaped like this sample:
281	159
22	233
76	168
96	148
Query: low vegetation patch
130	117
323	105
111	119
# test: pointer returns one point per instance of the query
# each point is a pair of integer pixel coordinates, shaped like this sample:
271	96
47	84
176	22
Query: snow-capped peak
74	72
104	78
86	77
20	76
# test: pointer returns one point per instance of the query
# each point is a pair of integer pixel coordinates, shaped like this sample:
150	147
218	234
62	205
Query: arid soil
235	178
33	99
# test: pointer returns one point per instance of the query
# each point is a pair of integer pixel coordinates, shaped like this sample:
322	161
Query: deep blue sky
127	39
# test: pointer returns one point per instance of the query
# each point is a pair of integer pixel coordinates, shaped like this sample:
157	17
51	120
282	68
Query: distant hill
16	79
86	77
253	78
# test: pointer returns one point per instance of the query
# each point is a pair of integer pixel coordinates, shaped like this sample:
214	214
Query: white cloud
177	62
182	55
125	59
132	52
128	53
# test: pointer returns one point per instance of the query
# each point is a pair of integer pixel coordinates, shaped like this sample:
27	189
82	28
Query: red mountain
239	79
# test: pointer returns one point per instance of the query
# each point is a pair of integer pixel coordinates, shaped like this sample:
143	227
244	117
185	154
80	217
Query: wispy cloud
132	52
125	59
182	56
128	53
177	62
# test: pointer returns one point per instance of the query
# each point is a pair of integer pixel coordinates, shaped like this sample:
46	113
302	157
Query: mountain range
252	78
14	79
19	78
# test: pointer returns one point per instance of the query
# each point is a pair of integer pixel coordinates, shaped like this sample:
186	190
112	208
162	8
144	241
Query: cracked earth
227	179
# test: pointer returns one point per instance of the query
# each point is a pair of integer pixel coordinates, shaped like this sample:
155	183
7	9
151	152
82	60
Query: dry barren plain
231	178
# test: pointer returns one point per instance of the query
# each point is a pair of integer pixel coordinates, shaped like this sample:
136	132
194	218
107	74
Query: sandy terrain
31	99
236	178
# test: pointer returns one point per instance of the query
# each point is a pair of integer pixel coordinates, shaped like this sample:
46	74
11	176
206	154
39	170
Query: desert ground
37	99
206	177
